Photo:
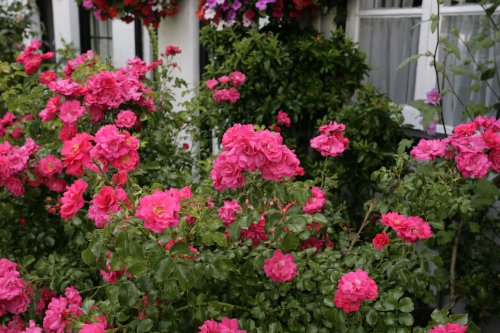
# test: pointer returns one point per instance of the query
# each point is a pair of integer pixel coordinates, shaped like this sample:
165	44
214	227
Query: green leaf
127	294
488	74
165	269
440	316
372	318
296	223
291	242
138	268
145	325
180	248
408	60
88	257
405	305
405	319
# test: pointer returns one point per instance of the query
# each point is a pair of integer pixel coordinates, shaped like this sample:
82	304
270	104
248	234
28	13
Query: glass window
375	4
387	42
467	88
101	37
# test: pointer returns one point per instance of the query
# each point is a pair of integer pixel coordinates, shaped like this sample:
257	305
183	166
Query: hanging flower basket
150	11
247	12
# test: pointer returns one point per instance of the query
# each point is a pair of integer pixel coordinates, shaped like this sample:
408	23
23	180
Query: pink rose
380	241
354	288
125	118
280	267
72	199
473	164
227	213
283	119
238	78
211	84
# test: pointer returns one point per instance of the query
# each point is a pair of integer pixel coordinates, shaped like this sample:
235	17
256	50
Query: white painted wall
182	30
66	23
123	42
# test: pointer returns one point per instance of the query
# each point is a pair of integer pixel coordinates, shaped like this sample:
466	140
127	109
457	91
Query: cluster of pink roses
354	288
14	291
13	164
100	93
225	326
248	150
409	229
449	328
160	210
62	310
331	141
31	58
280	267
9	121
230	95
112	146
475	146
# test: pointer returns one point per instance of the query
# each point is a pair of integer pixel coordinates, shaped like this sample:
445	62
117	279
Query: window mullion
426	77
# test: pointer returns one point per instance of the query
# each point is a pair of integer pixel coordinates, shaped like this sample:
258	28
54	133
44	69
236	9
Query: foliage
463	214
463	57
14	20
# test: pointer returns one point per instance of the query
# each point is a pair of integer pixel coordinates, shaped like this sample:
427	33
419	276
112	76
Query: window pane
373	4
387	42
468	89
101	37
460	2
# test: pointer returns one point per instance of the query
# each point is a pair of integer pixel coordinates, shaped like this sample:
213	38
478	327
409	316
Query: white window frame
425	74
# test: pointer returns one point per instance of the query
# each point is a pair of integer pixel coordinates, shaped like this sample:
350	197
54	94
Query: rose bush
249	248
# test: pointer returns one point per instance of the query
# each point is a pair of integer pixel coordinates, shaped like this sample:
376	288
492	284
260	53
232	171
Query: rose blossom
280	267
448	328
125	118
72	199
238	78
211	84
283	119
159	210
227	213
316	203
380	241
354	288
429	149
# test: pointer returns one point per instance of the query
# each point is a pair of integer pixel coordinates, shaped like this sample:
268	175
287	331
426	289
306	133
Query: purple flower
431	129
236	5
433	97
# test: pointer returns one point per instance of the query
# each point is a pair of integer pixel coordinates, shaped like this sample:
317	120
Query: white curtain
372	4
469	26
387	42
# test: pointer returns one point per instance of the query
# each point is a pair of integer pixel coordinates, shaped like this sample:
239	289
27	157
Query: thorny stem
182	308
477	64
434	58
453	264
325	164
153	37
365	223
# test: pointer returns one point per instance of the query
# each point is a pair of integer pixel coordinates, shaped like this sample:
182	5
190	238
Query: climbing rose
160	210
125	118
47	77
13	290
354	288
71	111
49	166
227	325
473	164
280	267
448	328
331	141
380	241
316	203
283	119
76	154
211	84
92	328
227	212
172	50
238	78
410	229
433	97
429	149
32	328
72	199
